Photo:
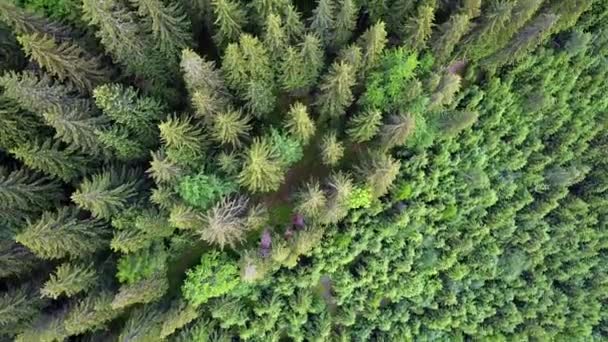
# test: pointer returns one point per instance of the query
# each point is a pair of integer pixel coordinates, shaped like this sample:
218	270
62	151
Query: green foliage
213	277
323	20
230	128
230	18
91	313
144	291
21	190
332	150
299	124
18	305
65	61
288	149
225	223
69	279
178	316
133	268
202	190
263	169
311	200
107	193
336	90
49	157
345	22
365	125
61	234
360	197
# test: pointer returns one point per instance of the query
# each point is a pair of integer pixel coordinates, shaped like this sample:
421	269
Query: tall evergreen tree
77	126
23	191
275	37
18	305
144	291
225	223
108	192
90	313
292	23
16	125
262	170
419	27
230	19
69	279
365	125
448	36
372	42
336	90
380	171
332	150
323	20
169	25
65	61
230	127
345	23
397	130
49	157
61	234
298	122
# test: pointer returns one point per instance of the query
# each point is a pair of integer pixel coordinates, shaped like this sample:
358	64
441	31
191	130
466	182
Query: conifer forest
306	170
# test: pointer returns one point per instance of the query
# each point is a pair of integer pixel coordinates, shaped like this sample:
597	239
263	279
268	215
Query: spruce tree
298	122
18	305
24	191
163	170
230	18
125	40
120	141
336	90
332	150
264	8
323	20
397	130
262	170
345	23
419	27
230	128
380	171
16	125
38	94
183	135
90	313
65	61
25	22
168	23
311	200
108	192
15	259
126	107
292	23
225	223
49	157
372	42
144	291
69	279
178	316
245	62
275	37
313	56
293	75
448	36
365	125
61	234
77	126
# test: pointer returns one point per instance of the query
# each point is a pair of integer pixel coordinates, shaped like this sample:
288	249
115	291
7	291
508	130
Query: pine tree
16	125
15	259
332	150
313	56
336	90
90	313
419	27
225	223
247	62
352	55
372	42
263	8
311	200
262	170
169	25
345	23
69	279
178	316
298	122
60	234
397	130
120	141
108	192
230	18
448	36
50	158
452	123
261	98
365	125
292	23
185	217
124	106
230	128
275	38
163	170
144	324
380	171
323	20
77	126
293	75
18	305
36	94
446	91
23	191
66	61
25	22
205	84
144	291
182	134
124	40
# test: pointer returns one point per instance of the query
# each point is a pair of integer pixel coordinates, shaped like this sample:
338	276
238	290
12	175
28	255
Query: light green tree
230	128
323	20
365	125
230	18
336	90
345	22
69	279
298	122
49	157
262	170
332	150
